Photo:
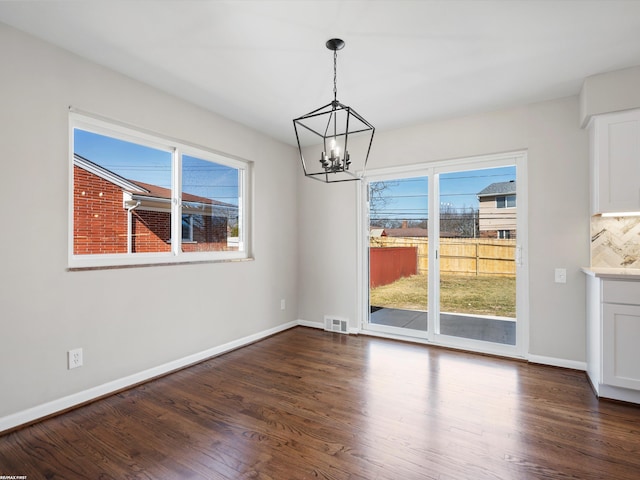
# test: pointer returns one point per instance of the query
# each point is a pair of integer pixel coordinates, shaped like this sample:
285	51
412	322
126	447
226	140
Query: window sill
159	264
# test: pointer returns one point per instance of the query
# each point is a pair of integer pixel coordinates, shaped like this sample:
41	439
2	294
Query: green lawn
459	294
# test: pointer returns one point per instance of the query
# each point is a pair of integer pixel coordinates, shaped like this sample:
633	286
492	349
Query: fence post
477	260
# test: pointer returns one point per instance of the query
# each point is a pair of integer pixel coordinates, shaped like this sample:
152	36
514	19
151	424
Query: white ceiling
263	63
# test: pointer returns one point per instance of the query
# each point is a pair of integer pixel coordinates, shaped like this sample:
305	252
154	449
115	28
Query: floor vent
333	324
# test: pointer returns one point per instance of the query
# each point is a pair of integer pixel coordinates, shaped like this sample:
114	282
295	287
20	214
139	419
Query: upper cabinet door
615	162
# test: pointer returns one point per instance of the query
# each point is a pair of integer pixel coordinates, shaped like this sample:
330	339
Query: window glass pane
511	201
210	195
477	259
398	253
121	197
187	230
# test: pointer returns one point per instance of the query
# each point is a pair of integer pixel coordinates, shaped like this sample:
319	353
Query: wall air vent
334	324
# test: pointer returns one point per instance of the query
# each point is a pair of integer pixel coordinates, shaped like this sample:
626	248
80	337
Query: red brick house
113	214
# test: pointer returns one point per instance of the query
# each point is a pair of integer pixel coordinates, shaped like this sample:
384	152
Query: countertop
620	273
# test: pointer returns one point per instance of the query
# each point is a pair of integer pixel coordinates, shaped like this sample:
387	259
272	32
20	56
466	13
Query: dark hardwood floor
308	404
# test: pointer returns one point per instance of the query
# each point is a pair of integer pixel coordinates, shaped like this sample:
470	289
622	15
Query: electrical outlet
74	358
282	304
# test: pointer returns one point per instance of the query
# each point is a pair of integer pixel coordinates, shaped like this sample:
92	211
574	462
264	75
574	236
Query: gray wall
558	188
131	319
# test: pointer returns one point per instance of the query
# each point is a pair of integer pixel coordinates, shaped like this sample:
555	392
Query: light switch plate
561	275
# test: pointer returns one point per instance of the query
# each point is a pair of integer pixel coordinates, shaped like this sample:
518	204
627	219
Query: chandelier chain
335	75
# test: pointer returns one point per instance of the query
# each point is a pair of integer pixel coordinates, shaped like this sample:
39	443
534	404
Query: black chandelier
333	128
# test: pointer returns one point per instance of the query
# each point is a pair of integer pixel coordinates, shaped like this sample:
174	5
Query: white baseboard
617	393
40	411
557	362
306	323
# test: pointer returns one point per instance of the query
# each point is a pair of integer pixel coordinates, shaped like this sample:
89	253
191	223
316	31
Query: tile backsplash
615	242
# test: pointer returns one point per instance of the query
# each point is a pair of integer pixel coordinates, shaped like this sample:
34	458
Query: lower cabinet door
621	345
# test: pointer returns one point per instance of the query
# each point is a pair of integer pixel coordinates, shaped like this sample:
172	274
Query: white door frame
432	170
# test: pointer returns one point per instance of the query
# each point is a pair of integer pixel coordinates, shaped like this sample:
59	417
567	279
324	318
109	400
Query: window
187	228
506	201
137	198
504	234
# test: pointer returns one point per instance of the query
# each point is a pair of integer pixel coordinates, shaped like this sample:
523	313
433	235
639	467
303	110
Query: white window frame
506	201
178	148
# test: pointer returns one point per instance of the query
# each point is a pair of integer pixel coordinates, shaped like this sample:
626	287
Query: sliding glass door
398	255
444	253
477	263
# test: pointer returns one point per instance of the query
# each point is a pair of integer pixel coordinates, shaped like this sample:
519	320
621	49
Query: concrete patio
477	327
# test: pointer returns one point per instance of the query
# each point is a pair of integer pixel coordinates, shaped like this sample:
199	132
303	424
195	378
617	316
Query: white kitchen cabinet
615	162
620	350
613	337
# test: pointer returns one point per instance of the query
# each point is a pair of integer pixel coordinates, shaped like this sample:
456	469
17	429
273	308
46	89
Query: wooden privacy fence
460	256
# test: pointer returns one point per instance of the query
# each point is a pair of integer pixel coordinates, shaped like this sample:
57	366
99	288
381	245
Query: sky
408	198
404	198
149	165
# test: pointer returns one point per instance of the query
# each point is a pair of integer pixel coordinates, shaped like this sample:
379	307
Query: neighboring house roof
105	174
376	232
141	189
154	191
499	188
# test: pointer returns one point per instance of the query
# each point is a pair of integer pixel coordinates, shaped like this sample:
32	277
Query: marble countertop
623	273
